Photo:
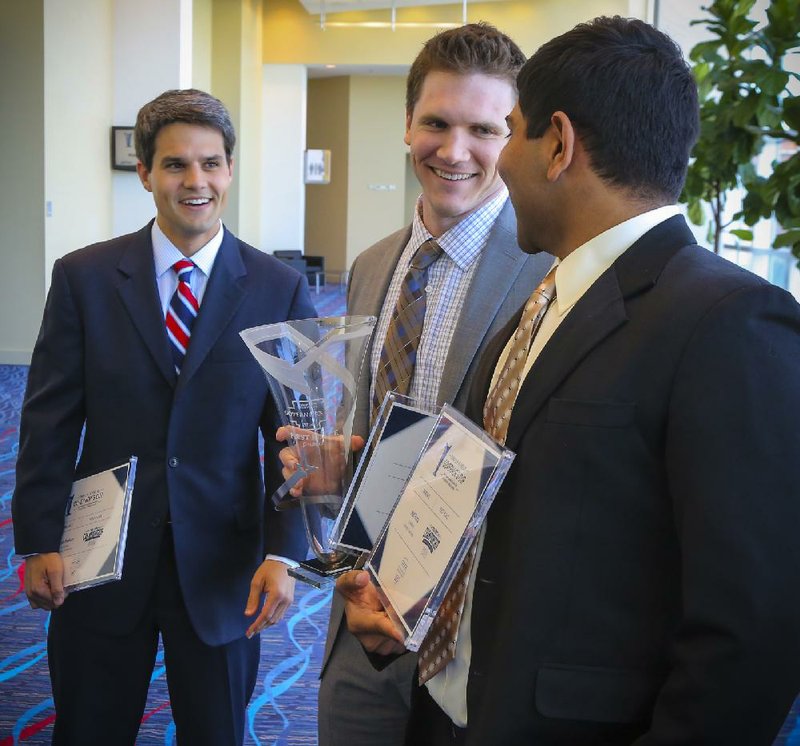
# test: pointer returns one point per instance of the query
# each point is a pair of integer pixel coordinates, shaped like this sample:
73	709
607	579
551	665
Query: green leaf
789	238
707	50
774	82
745	111
791	112
742	233
695	212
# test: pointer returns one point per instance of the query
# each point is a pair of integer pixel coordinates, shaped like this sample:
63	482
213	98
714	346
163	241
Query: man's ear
144	175
563	145
407	136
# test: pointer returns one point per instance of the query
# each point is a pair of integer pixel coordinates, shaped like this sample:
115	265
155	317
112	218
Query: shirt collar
165	253
464	241
579	270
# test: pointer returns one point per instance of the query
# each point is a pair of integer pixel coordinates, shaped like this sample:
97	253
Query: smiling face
189	181
455	133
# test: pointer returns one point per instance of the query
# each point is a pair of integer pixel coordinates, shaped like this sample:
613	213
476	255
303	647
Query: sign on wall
318	166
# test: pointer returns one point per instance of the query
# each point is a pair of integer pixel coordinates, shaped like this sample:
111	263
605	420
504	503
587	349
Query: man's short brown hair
474	48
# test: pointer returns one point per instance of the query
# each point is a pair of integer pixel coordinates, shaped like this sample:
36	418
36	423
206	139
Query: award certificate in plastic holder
435	520
96	527
398	435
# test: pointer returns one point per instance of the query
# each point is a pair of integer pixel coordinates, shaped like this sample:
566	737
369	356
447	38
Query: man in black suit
106	363
637	578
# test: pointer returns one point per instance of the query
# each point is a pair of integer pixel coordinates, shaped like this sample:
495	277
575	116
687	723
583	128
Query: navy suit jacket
640	575
102	361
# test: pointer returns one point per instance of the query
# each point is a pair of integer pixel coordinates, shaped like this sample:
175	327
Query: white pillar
150	43
284	141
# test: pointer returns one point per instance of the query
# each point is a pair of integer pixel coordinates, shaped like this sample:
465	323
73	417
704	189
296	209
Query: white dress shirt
449	278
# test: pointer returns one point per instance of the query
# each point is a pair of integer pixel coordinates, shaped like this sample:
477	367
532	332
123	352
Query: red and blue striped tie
181	313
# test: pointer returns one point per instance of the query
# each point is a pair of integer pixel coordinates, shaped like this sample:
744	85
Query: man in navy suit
196	567
637	577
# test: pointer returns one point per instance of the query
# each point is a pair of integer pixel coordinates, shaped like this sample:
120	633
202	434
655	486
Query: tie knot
547	287
426	254
183	268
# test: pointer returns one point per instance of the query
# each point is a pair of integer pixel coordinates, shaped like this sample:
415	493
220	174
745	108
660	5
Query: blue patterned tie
181	313
399	354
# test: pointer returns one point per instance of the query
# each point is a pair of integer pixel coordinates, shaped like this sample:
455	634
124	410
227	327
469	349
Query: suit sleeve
284	534
51	423
732	446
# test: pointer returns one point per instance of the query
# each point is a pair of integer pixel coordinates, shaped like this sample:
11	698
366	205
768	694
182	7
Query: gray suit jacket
503	280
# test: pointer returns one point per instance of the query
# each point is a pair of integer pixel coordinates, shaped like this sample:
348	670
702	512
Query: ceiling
326	71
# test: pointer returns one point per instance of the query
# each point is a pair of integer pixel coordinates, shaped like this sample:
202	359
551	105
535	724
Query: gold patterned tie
399	351
500	402
439	646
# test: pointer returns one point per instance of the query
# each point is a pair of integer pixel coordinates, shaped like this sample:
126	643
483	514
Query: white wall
77	102
284	140
146	40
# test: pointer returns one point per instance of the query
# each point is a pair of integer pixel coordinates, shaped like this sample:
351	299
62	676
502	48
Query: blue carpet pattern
284	705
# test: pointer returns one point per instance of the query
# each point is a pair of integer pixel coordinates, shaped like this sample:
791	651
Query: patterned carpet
283	709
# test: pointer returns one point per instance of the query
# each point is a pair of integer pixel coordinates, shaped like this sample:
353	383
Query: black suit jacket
640	573
102	361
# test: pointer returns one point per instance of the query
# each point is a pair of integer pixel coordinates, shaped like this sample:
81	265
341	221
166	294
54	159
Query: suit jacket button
173	462
156	522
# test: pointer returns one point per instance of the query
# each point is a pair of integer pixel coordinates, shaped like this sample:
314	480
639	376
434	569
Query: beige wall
22	153
326	204
361	121
413	189
202	17
291	35
376	187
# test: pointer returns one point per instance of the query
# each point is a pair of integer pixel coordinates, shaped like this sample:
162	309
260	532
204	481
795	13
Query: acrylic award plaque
96	527
313	367
394	444
435	520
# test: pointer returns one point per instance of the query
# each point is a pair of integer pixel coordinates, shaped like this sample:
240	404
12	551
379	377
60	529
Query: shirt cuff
285	560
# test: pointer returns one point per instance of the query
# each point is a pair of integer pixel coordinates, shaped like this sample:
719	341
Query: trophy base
320	575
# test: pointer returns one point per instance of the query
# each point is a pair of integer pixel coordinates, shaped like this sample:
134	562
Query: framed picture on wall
123	152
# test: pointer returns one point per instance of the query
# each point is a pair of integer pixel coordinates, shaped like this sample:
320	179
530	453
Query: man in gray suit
459	91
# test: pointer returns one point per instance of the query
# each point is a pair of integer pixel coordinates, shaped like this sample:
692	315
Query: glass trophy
313	367
435	520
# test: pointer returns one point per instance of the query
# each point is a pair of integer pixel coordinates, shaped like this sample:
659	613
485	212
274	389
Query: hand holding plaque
435	520
313	366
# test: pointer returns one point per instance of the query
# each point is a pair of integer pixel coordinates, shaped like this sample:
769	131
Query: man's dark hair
188	106
473	48
630	96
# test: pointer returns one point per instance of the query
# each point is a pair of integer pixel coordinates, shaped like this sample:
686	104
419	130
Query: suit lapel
223	296
139	294
598	313
595	316
499	265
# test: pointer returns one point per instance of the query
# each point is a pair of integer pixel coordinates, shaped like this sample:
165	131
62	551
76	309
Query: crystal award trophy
313	367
